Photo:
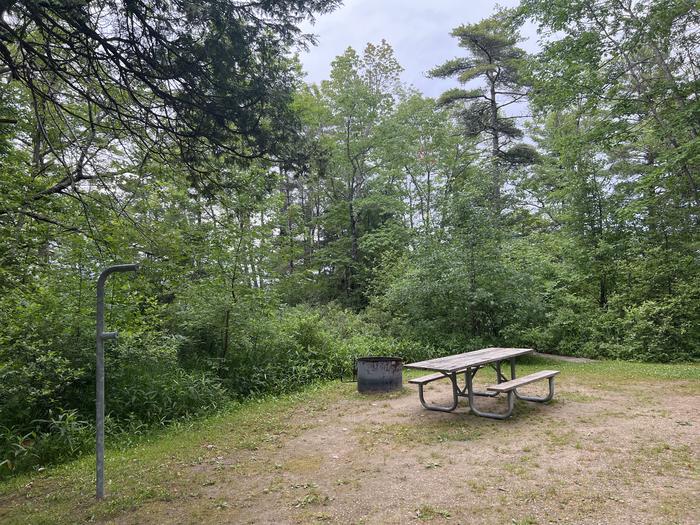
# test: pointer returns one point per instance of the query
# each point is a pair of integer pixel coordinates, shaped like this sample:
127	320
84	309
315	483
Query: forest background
284	229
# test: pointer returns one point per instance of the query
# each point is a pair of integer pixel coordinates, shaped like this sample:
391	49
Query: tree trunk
495	147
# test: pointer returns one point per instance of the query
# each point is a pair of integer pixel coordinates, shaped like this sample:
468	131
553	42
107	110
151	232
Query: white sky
418	30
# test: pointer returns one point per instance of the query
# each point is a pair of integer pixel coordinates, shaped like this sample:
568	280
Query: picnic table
469	363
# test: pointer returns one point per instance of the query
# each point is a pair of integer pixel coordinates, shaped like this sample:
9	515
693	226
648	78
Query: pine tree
493	57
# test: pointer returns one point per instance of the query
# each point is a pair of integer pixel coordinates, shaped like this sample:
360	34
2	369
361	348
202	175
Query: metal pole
100	370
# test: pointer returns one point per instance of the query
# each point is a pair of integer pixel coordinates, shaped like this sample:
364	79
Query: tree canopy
216	70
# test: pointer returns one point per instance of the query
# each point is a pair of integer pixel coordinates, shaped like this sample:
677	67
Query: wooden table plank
458	362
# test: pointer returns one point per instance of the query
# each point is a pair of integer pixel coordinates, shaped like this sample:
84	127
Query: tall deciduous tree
616	88
360	96
424	150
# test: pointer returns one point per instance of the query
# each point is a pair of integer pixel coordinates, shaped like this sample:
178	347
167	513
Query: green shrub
60	437
145	383
284	349
145	386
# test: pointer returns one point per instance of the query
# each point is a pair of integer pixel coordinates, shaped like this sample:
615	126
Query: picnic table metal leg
441	408
537	399
470	394
499	372
480	392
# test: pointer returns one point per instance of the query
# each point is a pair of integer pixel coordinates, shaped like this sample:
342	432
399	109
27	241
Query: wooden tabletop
458	362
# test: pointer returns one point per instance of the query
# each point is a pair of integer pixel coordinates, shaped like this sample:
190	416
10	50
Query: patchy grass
614	445
160	468
428	513
615	370
430	433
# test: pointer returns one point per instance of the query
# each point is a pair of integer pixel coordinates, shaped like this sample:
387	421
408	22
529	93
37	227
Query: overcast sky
418	30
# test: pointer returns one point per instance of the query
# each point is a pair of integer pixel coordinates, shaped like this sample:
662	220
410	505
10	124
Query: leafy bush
145	386
62	436
453	297
274	347
662	330
296	346
144	382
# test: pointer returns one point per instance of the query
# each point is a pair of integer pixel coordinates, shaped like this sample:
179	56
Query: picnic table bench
469	363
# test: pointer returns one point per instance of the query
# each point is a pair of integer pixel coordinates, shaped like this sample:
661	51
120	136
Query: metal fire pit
379	374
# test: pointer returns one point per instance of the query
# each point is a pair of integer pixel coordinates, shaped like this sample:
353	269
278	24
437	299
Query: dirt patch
599	453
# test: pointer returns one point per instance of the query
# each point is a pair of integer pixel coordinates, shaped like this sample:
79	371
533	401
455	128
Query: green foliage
273	349
145	382
388	223
61	436
229	62
494	59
